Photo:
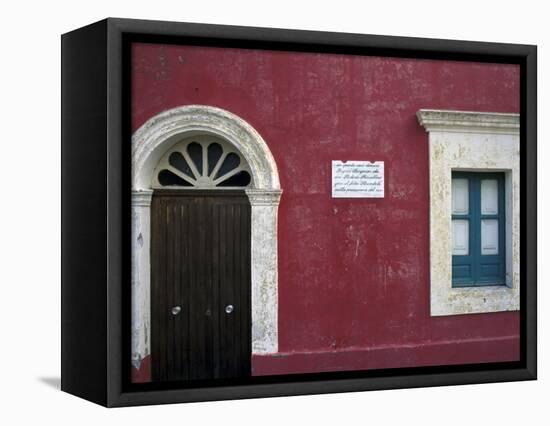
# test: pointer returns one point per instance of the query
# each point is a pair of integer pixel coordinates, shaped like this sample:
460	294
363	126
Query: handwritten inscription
357	179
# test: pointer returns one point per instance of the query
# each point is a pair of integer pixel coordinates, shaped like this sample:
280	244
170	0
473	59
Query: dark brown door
200	287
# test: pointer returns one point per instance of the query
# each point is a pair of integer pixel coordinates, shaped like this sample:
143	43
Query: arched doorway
203	162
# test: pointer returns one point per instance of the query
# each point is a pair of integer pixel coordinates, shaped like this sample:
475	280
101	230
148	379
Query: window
202	162
478	229
474	211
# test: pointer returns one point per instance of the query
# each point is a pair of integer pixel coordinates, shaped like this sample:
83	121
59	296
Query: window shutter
478	229
462	243
492	265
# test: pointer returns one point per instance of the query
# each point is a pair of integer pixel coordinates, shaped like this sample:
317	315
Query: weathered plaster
264	206
470	141
149	143
141	202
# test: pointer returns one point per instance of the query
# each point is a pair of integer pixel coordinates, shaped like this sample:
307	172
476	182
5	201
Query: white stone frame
149	143
470	141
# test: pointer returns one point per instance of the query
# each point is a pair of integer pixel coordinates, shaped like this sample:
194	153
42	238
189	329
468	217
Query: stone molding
468	121
262	197
142	198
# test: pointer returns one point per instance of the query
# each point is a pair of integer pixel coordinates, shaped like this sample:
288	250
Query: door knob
176	310
228	309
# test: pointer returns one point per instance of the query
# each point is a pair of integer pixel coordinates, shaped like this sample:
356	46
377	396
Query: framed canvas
254	212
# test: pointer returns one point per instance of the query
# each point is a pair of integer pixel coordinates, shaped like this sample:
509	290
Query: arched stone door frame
149	143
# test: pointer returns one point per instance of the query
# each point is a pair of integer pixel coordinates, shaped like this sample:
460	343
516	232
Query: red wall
353	273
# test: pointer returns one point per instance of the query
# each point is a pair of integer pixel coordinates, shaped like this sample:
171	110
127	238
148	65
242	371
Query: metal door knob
228	309
176	310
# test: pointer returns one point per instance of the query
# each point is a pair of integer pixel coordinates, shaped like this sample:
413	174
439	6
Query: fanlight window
202	162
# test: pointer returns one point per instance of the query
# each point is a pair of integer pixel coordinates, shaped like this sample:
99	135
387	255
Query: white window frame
477	142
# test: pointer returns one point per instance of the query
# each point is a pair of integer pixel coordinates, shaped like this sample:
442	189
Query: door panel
200	259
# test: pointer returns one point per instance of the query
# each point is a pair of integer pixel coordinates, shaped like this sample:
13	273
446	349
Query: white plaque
357	179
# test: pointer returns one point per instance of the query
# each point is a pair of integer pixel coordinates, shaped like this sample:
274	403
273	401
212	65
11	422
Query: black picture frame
96	227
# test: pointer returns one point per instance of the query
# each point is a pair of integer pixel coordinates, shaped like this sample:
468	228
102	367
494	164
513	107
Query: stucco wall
353	273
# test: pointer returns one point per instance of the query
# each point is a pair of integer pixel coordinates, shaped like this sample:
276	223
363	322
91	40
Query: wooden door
200	285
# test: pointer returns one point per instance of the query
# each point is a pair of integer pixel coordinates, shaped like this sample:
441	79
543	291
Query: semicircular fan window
202	162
